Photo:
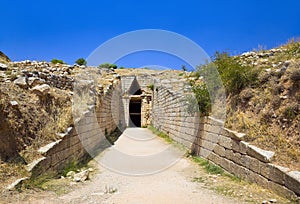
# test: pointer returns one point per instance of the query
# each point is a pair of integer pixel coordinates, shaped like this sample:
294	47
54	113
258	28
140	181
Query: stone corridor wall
207	137
169	115
86	138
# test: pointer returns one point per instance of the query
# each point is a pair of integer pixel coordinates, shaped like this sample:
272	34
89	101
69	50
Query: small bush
235	76
57	61
151	87
201	101
81	61
108	65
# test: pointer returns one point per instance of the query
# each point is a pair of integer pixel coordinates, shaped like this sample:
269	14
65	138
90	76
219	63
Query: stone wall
169	115
227	149
55	75
87	137
207	137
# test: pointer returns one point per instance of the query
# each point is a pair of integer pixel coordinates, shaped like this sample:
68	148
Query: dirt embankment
269	110
35	105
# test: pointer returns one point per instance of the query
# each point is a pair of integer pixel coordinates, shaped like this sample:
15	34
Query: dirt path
138	152
172	185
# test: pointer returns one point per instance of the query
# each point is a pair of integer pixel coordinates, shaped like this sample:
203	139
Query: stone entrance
135	107
137	100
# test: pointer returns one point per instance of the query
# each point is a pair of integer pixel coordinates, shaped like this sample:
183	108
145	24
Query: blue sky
67	30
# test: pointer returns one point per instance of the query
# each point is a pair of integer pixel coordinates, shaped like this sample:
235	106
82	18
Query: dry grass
32	124
9	172
270	112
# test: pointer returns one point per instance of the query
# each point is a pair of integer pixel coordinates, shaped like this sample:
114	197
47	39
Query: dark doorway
135	106
138	92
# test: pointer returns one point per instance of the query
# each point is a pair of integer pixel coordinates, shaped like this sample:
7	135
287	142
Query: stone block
260	154
30	167
229	154
243	147
239	146
278	173
43	150
216	122
219	150
212	137
281	190
265	169
74	140
258	179
214	129
225	142
204	152
59	157
254	164
17	184
292	181
237	158
214	158
238	170
245	161
225	163
233	134
208	145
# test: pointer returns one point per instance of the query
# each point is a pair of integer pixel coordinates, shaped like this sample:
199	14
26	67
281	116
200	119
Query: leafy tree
57	61
81	61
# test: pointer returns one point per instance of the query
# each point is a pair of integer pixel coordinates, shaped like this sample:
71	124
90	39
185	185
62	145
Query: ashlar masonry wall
207	137
86	138
170	116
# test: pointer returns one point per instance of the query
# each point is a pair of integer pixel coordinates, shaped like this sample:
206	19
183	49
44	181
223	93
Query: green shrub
200	101
205	91
108	65
235	76
81	61
151	87
57	61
